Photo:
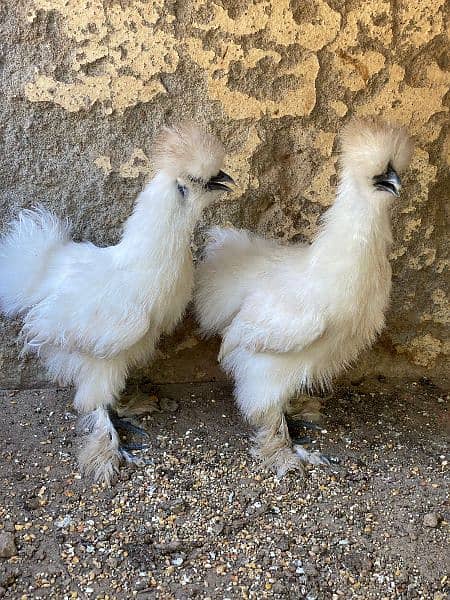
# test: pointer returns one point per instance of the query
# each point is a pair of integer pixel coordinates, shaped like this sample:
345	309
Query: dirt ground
201	520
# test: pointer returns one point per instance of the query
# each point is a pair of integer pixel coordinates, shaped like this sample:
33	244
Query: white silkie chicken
92	313
292	317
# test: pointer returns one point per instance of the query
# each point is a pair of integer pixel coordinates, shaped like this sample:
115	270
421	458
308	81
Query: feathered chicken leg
100	454
273	444
274	447
102	450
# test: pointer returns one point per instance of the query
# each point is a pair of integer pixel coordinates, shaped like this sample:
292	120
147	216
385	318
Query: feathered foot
274	447
99	456
102	452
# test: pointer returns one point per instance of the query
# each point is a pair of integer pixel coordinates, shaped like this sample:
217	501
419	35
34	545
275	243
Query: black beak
388	182
219	181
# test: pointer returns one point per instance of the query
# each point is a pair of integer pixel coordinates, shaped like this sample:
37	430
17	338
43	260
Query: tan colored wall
85	83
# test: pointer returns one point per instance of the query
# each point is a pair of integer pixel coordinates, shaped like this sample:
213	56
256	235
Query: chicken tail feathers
24	251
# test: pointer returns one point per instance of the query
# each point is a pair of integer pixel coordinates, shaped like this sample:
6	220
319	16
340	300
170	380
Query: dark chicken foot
125	425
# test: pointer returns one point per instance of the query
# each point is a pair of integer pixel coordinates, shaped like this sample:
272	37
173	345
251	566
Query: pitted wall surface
86	83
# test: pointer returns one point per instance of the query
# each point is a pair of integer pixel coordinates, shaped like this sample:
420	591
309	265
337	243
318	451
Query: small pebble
7	545
431	520
218	527
140	585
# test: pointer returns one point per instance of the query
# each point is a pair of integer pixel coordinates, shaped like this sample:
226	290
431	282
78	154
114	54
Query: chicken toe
312	458
126	453
126	425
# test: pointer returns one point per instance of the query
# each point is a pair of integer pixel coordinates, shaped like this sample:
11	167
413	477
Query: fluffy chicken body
292	317
93	313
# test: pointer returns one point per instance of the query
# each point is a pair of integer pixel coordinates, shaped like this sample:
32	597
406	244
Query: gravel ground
202	521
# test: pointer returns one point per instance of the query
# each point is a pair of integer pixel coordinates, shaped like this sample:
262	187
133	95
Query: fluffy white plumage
292	317
92	313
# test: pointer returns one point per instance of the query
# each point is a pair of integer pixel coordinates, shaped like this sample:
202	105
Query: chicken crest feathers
188	150
369	143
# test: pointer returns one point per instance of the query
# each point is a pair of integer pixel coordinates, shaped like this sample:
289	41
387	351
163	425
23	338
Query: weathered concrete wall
85	83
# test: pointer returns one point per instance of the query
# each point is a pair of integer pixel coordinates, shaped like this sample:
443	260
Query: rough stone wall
85	84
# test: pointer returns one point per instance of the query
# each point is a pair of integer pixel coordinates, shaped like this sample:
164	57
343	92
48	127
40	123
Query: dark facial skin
388	181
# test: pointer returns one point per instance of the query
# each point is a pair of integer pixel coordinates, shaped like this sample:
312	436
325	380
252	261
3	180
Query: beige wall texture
85	84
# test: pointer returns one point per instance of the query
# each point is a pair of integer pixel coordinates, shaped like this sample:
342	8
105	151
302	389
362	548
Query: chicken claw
128	456
312	458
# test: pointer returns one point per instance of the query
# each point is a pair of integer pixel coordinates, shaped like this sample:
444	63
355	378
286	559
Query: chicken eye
182	189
